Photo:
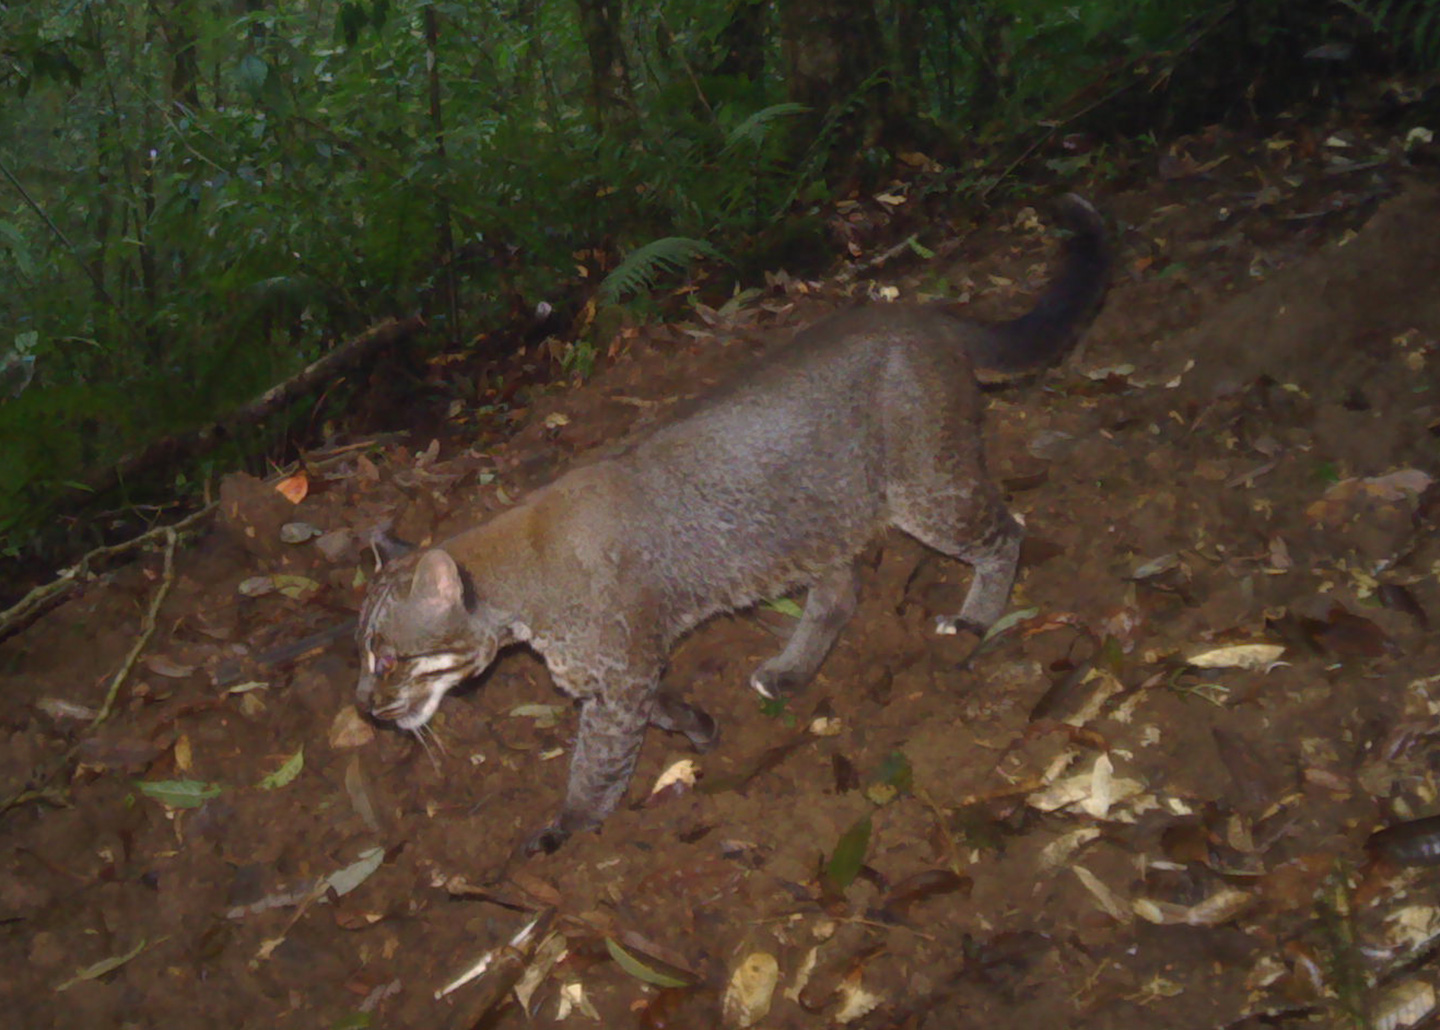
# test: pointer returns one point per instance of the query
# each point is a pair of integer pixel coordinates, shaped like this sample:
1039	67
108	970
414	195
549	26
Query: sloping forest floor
1126	811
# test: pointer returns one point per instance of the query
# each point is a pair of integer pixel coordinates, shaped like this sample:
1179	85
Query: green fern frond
644	265
755	128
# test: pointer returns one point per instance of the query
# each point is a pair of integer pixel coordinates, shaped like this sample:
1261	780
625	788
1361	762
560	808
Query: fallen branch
198	441
46	596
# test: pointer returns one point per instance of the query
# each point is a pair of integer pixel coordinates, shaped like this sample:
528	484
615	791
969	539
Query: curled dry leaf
572	999
257	586
168	667
294	488
1216	910
551	950
681	772
299	532
1238	656
1096	792
297	588
1060	851
855	1000
59	709
102	968
1348	495
345	880
1411	928
1108	899
349	729
1155	567
1403	1005
752	985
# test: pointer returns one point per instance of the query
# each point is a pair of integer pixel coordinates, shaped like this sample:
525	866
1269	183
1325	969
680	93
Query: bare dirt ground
1089	823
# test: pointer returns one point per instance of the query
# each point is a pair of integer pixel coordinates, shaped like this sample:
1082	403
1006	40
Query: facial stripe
432	667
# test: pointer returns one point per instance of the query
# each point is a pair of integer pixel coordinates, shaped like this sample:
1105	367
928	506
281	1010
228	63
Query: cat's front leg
612	728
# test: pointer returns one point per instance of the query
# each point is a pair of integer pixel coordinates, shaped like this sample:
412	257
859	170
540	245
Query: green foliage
1411	27
200	198
644	265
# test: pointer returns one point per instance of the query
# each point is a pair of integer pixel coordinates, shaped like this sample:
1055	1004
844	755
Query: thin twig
147	629
47	595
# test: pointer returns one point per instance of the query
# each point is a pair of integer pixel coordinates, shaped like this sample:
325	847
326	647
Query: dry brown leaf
294	488
349	729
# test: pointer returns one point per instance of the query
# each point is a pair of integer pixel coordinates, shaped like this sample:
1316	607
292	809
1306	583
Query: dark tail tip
1048	331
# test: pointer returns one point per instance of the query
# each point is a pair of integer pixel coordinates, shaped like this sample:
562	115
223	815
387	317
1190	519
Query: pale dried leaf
682	771
1108	899
855	1000
1403	1005
168	667
1060	851
572	999
752	985
1238	656
1219	908
345	880
257	586
59	708
551	951
102	968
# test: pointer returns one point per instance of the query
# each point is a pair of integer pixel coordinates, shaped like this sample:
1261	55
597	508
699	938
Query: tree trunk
741	43
833	49
444	236
609	71
180	40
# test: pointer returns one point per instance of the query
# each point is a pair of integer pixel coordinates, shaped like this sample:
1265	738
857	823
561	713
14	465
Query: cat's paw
703	732
953	625
776	683
673	715
547	841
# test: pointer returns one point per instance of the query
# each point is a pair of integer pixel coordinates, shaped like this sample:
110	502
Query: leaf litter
1190	533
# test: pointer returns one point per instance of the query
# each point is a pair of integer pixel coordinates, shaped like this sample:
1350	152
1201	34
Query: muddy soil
1086	823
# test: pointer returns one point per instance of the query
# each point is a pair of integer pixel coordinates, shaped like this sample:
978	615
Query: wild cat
869	418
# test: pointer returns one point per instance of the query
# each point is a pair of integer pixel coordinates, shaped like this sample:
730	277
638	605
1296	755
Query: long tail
1047	332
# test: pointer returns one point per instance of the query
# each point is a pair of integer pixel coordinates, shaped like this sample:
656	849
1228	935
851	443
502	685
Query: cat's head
420	635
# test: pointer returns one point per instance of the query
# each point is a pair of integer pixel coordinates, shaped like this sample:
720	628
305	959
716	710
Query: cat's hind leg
828	606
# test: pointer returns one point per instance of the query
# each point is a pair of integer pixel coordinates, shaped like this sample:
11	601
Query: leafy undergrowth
1145	803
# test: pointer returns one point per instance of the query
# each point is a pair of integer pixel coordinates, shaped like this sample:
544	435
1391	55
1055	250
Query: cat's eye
380	662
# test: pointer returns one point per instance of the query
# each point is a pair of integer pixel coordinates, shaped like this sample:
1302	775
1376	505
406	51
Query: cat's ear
437	581
388	547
